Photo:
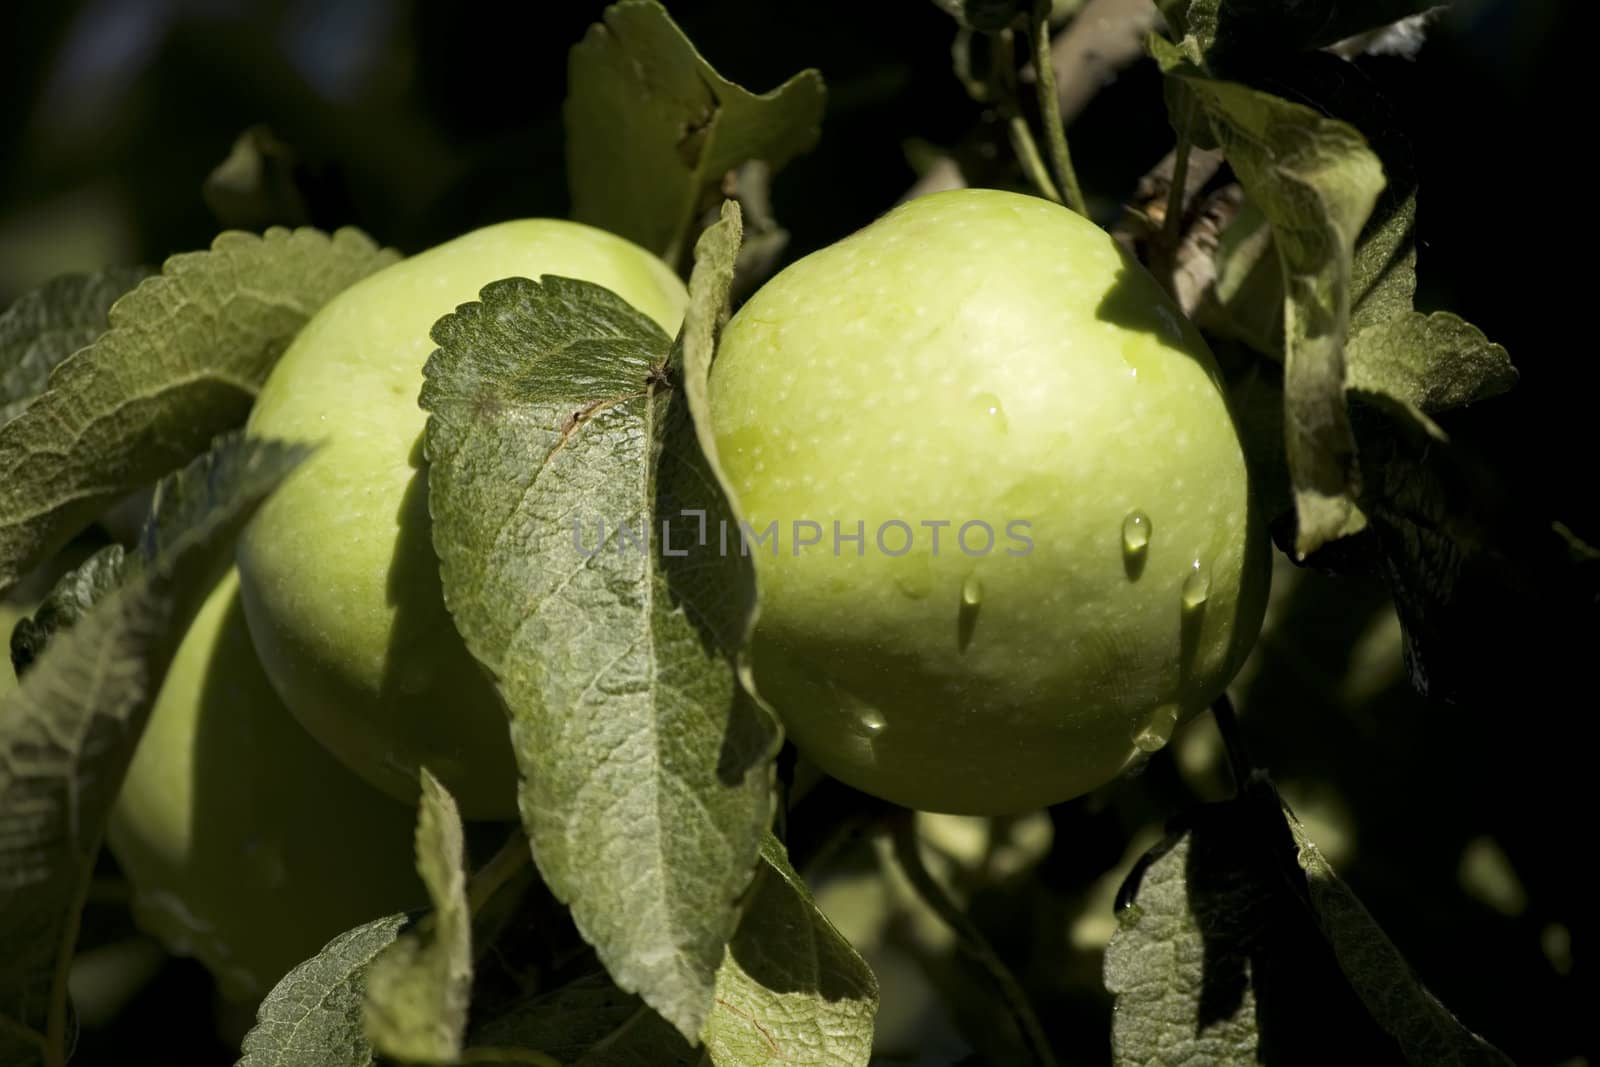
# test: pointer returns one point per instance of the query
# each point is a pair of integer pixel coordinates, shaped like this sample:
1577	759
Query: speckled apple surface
339	578
982	356
248	846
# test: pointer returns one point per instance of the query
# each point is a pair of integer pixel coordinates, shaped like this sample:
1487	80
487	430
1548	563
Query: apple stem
1044	81
908	853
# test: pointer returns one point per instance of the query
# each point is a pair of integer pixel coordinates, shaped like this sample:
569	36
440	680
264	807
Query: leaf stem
1233	741
1022	143
504	865
55	1031
908	854
1003	80
1172	225
1055	131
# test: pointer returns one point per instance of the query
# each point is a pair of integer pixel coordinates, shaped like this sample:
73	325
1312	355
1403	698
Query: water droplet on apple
1136	529
967	612
871	721
1157	730
1196	587
990	408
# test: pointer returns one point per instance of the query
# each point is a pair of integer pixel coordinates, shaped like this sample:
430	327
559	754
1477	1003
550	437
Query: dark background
424	120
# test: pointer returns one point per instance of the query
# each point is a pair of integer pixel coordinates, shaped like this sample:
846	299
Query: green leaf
1398	1002
1233	33
1383	273
50	324
314	1014
588	1022
181	363
1235	943
78	590
1316	181
647	765
1432	362
652	128
68	731
792	990
419	987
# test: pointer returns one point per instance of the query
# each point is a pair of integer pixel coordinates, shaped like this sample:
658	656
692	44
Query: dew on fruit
871	722
989	405
1157	730
1136	530
967	613
1196	587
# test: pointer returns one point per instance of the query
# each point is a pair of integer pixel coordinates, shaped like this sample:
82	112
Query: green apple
248	845
340	582
992	362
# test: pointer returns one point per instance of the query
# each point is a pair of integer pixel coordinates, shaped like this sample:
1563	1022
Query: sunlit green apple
248	845
992	362
340	581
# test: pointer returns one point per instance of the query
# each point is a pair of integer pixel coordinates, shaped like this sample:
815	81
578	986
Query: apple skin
340	581
248	845
985	356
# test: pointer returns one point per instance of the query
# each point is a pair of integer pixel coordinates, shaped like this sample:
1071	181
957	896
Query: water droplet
1196	587
1155	733
967	612
871	721
1136	529
989	405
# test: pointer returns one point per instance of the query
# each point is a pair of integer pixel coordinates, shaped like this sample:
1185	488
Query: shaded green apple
248	845
992	362
340	581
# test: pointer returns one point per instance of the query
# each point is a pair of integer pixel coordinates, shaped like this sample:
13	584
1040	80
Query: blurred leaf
1478	584
181	363
418	988
50	324
651	127
1237	944
78	590
985	16
588	1022
1316	181
647	766
792	990
314	1014
68	731
261	183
